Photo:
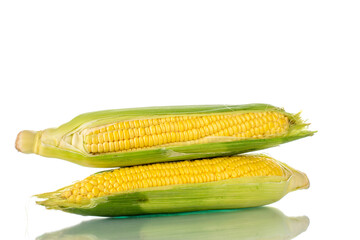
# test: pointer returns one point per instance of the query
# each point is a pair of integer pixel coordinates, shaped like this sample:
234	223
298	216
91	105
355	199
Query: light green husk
233	193
59	142
245	224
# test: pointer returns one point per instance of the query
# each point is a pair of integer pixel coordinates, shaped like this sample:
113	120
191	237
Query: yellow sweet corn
216	183
129	137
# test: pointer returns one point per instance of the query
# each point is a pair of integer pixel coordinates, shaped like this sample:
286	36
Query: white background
62	58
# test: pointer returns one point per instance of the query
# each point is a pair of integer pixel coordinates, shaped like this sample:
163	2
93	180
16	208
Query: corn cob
216	183
129	137
245	224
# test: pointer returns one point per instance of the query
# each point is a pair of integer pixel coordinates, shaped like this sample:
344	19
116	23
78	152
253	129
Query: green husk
245	224
233	193
58	142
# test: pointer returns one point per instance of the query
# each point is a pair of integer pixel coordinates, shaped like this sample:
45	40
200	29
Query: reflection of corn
137	134
164	174
246	224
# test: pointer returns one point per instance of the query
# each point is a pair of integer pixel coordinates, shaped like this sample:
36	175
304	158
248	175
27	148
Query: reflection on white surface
253	223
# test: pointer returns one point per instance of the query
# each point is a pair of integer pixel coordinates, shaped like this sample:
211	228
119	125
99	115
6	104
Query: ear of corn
245	224
217	183
129	137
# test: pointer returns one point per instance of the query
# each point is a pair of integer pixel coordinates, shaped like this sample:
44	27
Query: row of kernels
141	142
194	121
141	123
158	127
155	140
123	134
